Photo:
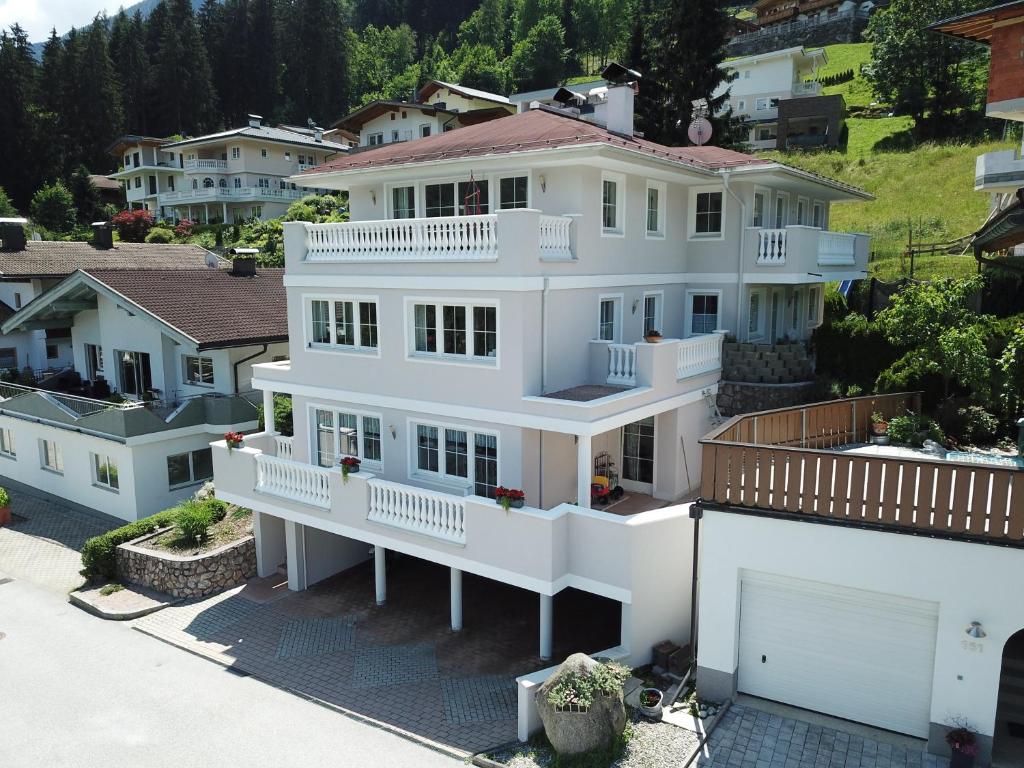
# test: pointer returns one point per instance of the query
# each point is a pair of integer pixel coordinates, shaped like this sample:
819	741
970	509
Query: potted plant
963	746
509	498
652	336
650	702
879	425
234	440
349	464
5	507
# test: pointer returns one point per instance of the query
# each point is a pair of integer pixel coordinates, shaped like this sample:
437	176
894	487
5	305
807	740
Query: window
812	305
127	161
263	152
236	153
288	157
52	457
746	74
458	455
339	434
104	471
136	377
424	131
818	215
611	204
208	183
170	183
801	211
238	183
394	133
761	104
152	185
135	159
350	323
781	206
513	192
652	312
7	443
754	315
795	317
17	300
655	209
189	468
52	352
93	361
264	183
439	200
474	198
708	213
607	320
757	211
741	105
222	183
199	370
703	312
195	184
374	139
403	203
638	451
138	182
256	212
460	325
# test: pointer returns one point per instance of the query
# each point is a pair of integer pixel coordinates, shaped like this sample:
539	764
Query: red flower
234	437
350	461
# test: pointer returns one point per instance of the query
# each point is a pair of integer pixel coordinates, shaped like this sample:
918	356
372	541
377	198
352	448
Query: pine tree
185	100
539	60
98	98
86	196
131	66
316	69
17	123
637	56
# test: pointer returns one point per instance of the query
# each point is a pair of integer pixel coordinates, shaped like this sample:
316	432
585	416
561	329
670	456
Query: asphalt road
80	692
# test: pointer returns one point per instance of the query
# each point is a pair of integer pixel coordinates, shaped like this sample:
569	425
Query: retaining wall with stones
736	397
187	576
766	363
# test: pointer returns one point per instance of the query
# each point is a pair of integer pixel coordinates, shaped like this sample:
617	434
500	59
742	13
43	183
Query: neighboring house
779	100
177	346
479	322
787	23
110	191
868	582
28	268
770	13
229	176
439	107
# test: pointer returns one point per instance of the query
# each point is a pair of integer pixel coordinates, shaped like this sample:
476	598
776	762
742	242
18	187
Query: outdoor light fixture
636	303
543	183
391	429
373	196
975	630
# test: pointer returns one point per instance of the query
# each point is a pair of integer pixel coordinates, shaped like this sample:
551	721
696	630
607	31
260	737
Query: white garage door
853	654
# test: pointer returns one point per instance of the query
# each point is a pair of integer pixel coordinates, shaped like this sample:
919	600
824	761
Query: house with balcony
437	108
866	581
483	322
146	169
779	99
162	365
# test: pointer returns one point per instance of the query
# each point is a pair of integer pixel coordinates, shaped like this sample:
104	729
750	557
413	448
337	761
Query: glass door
638	456
136	377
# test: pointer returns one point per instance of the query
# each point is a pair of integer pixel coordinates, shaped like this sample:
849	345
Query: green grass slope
842	57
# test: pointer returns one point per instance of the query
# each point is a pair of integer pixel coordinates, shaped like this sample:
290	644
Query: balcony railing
802	246
837	249
283	446
787	461
810	88
622	365
699	354
692	357
303	483
428	513
227	194
444	238
771	247
206	165
77	405
555	237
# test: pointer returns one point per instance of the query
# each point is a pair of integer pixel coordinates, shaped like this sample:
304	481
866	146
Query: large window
8	359
513	192
474	198
344	324
199	370
340	434
104	472
439	200
51	456
403	203
703	312
458	455
708	214
652	312
7	443
607	329
469	331
612	188
135	373
189	468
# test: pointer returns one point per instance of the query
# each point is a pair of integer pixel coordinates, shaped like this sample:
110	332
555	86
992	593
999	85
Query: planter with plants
879	424
509	498
963	747
5	507
349	465
234	440
652	336
650	702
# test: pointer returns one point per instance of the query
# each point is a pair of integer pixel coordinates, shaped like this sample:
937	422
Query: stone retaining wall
842	29
736	397
187	576
766	363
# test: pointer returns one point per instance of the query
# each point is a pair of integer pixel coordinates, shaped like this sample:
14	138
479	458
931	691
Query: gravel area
653	744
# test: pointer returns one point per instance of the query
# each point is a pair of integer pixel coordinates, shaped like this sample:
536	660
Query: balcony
810	88
999	171
801	249
229	194
691	357
203	164
810	462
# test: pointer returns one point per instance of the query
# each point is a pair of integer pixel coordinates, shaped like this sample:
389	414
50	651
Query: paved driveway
44	543
749	738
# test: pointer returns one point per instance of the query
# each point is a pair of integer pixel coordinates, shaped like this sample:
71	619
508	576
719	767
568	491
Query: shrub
53	207
133	226
973	424
908	429
7	209
5	498
193	520
98	553
579	689
160	235
185	228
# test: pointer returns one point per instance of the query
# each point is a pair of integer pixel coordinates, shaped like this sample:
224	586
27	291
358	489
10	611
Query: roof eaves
246	342
808	175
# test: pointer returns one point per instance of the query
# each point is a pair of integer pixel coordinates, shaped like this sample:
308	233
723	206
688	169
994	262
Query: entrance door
1008	741
638	456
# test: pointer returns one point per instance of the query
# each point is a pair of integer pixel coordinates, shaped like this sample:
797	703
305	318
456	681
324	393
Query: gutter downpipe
245	360
696	513
739	264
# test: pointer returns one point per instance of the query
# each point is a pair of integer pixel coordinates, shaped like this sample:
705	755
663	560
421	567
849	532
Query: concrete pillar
584	471
206	213
224	218
547	612
271	550
456	598
268	411
295	544
380	574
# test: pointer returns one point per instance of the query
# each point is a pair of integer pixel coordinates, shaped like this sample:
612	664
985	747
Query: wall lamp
543	183
975	630
391	429
373	196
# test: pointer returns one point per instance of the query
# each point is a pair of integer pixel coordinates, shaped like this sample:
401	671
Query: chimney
318	134
243	262
102	235
619	109
12	234
255	121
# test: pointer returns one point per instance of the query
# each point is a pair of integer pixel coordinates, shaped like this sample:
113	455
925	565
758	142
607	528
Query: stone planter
652	710
575	731
187	575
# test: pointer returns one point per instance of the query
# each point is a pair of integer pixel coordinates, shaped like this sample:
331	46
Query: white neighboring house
177	345
230	176
439	107
479	322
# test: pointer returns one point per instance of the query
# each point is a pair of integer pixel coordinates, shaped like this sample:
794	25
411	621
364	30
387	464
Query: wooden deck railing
780	461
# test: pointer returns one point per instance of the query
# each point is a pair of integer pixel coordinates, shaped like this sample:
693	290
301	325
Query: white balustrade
444	238
429	513
837	249
283	446
555	241
622	365
206	165
699	354
292	480
771	247
227	193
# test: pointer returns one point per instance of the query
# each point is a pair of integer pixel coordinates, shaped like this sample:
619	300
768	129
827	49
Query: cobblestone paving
400	663
43	545
749	738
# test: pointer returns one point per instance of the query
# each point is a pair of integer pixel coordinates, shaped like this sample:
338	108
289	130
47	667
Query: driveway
751	738
44	543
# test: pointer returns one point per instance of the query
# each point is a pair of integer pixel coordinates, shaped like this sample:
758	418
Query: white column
224	206
268	411
456	589
380	574
584	471
547	604
295	546
206	213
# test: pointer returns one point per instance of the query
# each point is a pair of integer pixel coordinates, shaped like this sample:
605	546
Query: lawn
842	57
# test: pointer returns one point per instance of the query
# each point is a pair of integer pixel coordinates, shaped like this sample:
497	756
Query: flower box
234	440
509	498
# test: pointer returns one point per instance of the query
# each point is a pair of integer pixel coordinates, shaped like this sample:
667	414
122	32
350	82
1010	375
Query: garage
854	654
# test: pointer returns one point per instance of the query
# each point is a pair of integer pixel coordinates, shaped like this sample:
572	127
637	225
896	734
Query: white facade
35	350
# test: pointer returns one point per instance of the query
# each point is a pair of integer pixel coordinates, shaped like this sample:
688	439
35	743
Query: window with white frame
473	197
236	153
7	443
403	202
762	104
818	215
238	183
655	209
608	319
781	210
813	300
199	370
741	105
263	152
189	468
288	156
340	433
707	214
652	312
767	133
104	472
513	192
455	330
257	211
345	323
757	211
51	456
439	200
703	312
375	139
457	455
424	131
801	211
612	192
754	315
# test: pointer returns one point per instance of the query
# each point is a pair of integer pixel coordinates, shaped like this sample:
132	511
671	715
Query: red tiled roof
537	129
212	306
54	258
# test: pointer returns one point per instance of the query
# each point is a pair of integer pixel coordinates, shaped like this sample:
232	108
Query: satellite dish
211	260
700	131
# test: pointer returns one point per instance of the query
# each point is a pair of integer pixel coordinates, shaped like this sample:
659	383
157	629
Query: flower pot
880	428
654	709
5	516
516	503
652	339
959	759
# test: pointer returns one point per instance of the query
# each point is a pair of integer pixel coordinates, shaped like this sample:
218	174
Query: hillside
843	57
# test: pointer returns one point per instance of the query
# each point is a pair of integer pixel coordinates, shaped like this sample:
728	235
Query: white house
177	346
230	176
479	323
